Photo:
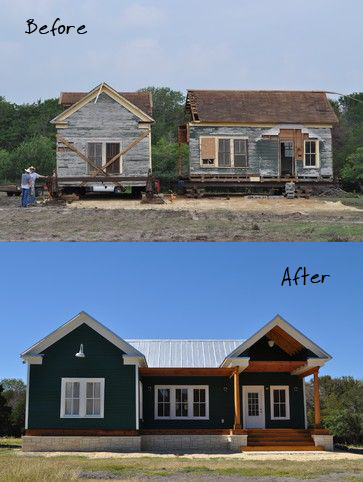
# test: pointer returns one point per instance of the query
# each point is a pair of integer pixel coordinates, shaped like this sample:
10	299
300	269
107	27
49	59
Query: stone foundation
145	443
325	441
81	444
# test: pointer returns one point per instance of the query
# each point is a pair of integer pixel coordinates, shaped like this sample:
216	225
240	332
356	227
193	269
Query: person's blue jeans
31	197
25	198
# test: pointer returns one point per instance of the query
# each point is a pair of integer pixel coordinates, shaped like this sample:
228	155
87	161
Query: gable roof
142	100
242	106
185	353
278	321
80	319
139	103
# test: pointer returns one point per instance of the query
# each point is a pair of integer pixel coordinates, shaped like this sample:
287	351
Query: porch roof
185	353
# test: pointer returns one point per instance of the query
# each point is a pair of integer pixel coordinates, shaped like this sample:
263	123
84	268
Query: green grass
354	200
316	232
16	468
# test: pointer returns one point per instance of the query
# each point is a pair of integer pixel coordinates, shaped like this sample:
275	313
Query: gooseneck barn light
80	354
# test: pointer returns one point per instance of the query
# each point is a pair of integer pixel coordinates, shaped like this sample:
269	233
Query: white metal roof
185	353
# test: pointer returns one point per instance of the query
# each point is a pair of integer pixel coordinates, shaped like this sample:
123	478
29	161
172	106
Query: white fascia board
80	319
311	363
33	359
102	88
241	363
133	360
292	331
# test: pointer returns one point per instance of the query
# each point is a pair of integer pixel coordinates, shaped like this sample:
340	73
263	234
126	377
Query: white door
254	407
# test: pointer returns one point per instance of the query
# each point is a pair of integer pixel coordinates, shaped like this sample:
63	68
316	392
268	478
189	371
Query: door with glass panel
254	407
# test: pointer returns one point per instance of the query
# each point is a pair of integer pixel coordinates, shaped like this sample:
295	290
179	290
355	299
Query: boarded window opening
208	151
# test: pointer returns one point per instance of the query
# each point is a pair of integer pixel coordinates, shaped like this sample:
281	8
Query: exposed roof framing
84	99
286	335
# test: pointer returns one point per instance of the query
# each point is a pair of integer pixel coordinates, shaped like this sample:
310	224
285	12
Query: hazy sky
202	291
242	44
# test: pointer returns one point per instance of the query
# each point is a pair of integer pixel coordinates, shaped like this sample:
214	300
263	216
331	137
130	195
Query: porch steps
280	440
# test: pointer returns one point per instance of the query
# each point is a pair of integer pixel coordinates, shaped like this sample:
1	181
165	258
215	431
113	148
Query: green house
90	390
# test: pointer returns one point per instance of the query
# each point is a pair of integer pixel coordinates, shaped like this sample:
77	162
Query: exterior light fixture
271	343
80	354
225	389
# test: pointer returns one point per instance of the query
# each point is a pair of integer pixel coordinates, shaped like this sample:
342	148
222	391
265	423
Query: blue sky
199	291
130	44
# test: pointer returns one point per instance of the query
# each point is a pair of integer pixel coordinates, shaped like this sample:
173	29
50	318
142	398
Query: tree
165	158
168	112
15	396
353	168
5	414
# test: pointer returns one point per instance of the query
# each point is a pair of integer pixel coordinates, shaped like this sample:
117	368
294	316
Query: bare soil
185	220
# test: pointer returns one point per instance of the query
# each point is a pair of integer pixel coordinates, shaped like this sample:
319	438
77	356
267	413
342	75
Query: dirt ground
185	220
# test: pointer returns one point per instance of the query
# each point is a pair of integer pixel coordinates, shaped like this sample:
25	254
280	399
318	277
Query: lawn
16	468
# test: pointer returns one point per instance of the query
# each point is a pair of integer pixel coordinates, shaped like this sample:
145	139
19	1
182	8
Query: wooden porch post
317	399
237	400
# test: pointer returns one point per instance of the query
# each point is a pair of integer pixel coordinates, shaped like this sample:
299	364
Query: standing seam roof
185	353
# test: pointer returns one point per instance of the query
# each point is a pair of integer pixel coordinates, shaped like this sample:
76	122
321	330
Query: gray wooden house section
263	153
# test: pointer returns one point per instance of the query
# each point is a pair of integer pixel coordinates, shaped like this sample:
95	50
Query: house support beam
237	400
317	399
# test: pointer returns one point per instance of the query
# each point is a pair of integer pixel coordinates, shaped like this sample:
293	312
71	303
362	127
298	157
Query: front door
287	158
254	407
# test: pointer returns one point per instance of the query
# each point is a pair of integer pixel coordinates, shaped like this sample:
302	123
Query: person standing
26	184
34	176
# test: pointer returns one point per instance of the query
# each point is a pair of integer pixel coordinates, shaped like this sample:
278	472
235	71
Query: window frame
216	160
82	397
317	154
104	152
173	389
286	388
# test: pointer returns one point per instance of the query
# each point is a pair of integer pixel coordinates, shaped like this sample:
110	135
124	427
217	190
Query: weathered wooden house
259	136
90	390
104	139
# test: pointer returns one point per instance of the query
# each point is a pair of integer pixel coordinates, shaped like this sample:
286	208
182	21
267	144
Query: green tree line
27	137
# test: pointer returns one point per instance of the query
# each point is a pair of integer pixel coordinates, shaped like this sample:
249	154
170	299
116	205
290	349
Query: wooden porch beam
274	366
317	400
237	400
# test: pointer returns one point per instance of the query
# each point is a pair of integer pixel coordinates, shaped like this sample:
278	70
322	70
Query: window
253	404
82	398
178	402
280	403
311	154
240	153
94	154
224	153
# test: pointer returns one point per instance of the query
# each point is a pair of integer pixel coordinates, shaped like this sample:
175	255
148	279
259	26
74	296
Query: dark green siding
103	360
297	418
221	402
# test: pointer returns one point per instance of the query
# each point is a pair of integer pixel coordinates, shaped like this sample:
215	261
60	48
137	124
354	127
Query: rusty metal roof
142	100
240	106
185	353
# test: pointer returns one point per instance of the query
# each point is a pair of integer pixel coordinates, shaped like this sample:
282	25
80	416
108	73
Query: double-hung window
312	154
182	402
101	153
82	397
280	403
224	153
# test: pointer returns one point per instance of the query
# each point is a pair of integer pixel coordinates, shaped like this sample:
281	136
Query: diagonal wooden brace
127	149
82	156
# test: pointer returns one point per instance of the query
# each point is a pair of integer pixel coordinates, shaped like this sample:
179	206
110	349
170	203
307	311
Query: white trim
317	148
310	363
34	360
82	397
248	388
231	138
279	321
242	363
102	88
137	400
287	401
83	318
141	399
190	389
305	409
27	397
